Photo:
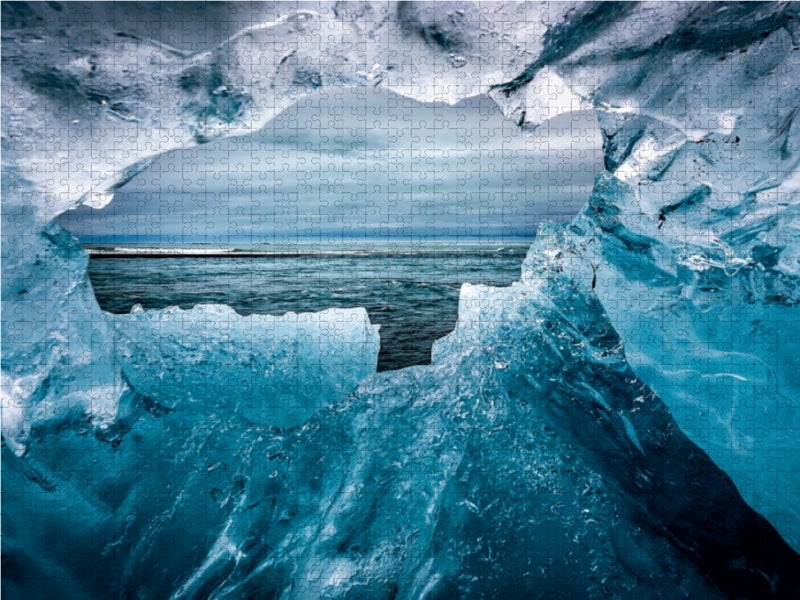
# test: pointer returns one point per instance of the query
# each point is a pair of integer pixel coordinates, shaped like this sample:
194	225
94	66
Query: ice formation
538	452
272	370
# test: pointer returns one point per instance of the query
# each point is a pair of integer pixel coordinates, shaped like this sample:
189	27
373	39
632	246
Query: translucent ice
273	370
56	340
529	456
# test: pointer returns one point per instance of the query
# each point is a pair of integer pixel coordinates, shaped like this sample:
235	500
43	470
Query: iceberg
624	418
273	370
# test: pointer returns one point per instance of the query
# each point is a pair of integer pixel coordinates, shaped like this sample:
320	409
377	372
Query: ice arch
96	119
689	241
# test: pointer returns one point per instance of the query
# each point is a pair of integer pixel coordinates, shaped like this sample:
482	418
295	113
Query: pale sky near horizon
348	164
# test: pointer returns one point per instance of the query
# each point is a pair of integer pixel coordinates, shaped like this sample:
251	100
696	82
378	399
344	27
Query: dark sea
411	292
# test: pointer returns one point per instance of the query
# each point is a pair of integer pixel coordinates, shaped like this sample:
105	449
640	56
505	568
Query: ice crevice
623	394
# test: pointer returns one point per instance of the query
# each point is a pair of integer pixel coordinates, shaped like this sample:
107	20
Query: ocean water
411	292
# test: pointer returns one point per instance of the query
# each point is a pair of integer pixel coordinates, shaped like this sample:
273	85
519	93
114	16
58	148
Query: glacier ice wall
687	250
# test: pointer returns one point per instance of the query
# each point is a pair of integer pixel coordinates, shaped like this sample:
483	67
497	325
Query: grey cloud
365	161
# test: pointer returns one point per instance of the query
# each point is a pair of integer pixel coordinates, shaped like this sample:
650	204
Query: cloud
365	162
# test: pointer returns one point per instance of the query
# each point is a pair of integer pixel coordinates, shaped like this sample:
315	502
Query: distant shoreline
102	251
360	253
106	254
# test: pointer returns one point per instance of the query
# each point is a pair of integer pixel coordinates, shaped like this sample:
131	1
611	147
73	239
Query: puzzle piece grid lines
198	408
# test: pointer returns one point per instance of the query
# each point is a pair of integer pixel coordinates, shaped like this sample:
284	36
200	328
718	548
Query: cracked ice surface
686	256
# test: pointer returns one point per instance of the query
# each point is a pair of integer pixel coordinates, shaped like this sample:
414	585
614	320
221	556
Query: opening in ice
353	197
536	420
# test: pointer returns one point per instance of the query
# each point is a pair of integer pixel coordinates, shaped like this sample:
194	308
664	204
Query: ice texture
62	354
57	344
538	453
273	370
528	458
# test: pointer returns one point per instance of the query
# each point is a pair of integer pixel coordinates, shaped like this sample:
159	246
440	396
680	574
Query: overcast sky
351	164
